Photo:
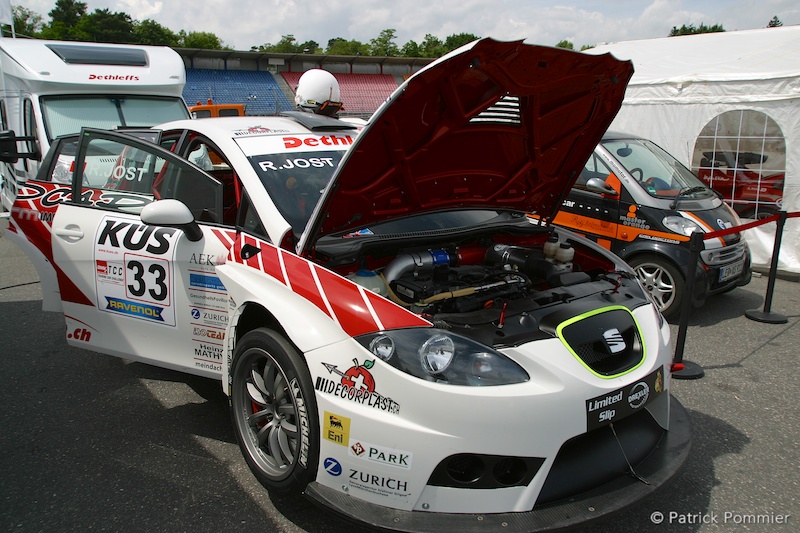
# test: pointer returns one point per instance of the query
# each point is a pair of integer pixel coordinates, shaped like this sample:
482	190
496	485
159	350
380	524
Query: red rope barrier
749	225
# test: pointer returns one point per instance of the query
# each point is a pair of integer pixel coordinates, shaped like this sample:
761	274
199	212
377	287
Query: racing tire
662	280
274	411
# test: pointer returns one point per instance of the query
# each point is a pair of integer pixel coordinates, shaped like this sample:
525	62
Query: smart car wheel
274	411
662	280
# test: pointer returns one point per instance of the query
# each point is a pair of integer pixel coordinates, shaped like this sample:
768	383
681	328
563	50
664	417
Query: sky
241	24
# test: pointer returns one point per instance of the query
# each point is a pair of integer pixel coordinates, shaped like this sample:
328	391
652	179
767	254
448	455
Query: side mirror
172	214
8	147
600	186
9	153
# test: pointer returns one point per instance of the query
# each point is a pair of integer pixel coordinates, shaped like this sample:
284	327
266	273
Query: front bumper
657	468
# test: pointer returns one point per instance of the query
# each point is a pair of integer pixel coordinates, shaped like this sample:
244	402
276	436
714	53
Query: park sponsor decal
133	269
612	406
356	384
381	454
336	428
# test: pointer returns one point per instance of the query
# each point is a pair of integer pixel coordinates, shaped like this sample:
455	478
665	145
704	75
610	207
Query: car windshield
660	174
68	114
295	180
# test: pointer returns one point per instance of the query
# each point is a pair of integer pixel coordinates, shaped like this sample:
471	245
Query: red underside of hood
499	125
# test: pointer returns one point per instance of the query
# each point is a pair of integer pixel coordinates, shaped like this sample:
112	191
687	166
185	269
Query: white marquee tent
683	85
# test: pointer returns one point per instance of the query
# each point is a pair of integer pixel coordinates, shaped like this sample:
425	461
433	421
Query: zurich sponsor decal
332	466
139	310
195	313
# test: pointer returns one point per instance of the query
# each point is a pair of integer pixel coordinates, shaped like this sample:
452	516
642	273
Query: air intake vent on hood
505	111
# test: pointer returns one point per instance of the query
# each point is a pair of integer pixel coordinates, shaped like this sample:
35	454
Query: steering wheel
639	171
656	184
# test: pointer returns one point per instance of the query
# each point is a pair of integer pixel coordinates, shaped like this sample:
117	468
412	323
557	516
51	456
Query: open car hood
498	125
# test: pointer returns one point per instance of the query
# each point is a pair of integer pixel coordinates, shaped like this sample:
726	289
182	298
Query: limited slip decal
612	406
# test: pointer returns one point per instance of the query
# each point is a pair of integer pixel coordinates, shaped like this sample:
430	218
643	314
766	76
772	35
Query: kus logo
132	236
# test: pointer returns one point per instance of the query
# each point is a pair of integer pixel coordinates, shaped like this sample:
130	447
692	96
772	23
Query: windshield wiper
687	192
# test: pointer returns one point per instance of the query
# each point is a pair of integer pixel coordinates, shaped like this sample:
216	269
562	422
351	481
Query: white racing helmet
318	92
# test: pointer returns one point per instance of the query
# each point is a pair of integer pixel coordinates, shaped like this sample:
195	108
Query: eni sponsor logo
336	428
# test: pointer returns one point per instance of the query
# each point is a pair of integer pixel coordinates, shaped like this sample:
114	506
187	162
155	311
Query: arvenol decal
133	269
303	422
356	384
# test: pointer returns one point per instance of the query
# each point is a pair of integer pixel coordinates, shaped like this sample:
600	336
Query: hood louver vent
505	111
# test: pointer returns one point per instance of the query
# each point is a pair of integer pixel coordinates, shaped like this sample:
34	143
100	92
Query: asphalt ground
94	443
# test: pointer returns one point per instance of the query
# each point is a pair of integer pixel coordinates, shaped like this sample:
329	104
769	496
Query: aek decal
356	384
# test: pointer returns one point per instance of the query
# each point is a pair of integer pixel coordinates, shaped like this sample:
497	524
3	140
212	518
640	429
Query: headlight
444	357
681	225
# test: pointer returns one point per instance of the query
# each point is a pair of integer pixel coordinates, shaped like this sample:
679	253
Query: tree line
71	21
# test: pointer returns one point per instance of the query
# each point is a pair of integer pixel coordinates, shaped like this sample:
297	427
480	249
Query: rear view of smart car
637	200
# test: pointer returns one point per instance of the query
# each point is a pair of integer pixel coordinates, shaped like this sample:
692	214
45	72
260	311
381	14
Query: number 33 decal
148	281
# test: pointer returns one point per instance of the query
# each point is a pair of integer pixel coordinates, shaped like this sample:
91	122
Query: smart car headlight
681	225
444	357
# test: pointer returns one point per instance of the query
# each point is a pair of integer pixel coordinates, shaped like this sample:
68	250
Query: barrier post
767	315
690	370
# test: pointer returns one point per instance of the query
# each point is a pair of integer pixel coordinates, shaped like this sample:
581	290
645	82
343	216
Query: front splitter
659	467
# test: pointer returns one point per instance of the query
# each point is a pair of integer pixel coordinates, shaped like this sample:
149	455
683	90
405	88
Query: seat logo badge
614	340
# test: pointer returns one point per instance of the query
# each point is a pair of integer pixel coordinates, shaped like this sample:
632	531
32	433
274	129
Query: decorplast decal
356	384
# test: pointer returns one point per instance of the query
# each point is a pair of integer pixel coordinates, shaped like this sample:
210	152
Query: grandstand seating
258	90
361	94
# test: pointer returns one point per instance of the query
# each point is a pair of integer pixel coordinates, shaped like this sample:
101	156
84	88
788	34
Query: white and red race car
403	335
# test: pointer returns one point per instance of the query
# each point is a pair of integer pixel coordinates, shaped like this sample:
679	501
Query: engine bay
498	289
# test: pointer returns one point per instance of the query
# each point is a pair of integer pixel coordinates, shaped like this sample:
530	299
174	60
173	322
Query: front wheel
662	280
274	411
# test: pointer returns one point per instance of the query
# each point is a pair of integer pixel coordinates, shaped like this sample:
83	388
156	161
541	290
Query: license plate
731	271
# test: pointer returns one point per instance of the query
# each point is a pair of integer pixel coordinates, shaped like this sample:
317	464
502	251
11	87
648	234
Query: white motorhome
53	88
